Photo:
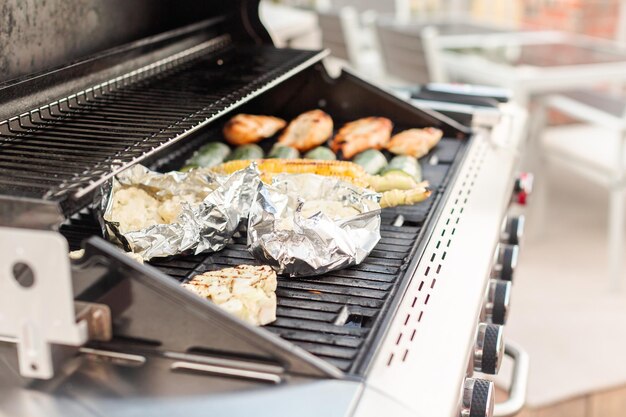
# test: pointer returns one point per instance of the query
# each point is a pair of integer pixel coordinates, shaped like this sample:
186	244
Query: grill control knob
523	187
478	398
497	304
512	230
505	262
489	348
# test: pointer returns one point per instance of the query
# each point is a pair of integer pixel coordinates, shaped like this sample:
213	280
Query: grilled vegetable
209	155
248	128
321	153
392	180
245	152
188	168
405	197
406	164
283	152
344	170
371	160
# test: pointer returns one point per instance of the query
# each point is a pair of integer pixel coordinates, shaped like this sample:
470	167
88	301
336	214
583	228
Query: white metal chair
596	149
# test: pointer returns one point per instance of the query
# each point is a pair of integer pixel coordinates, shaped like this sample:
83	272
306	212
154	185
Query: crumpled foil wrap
280	236
208	226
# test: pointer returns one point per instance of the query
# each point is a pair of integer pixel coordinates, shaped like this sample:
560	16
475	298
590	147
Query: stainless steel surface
226	371
114	384
489	348
497	302
519	382
98	319
36	298
477	398
418	372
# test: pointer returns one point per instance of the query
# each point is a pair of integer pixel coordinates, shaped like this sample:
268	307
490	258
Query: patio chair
349	40
399	9
597	150
411	55
340	33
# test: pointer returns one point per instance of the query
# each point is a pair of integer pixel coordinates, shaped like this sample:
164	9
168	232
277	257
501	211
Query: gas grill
104	335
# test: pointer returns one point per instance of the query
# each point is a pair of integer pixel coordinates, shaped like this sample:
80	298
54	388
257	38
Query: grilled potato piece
248	292
415	142
248	128
362	134
308	130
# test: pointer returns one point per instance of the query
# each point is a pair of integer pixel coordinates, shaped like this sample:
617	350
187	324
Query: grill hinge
36	298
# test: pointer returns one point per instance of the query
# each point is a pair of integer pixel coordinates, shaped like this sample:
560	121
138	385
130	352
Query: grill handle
519	382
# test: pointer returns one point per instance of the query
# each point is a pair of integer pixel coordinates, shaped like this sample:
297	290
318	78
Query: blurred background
564	62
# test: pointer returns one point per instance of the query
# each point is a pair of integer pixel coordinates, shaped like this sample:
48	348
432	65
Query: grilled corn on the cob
397	188
344	170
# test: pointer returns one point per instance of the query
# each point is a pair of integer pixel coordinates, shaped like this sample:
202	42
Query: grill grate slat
335	316
331	315
91	134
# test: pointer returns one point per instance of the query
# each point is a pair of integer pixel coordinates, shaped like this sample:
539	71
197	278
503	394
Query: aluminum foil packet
305	224
202	210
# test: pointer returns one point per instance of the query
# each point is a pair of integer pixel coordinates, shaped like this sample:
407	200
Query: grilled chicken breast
362	134
248	292
415	142
247	128
308	130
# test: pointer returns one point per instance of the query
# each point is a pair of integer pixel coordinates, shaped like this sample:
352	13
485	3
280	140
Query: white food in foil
248	292
156	215
306	224
134	209
335	210
170	208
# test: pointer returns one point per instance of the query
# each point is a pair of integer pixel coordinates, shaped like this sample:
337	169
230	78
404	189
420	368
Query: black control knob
512	230
497	303
505	262
489	348
478	398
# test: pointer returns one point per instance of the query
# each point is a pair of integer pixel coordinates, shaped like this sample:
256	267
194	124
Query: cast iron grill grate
334	316
62	152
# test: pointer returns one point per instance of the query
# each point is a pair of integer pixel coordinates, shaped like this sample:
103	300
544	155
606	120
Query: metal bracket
36	298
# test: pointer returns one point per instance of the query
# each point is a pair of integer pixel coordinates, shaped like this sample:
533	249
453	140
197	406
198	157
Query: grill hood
37	37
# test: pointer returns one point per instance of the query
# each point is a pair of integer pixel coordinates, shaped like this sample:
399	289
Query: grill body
341	340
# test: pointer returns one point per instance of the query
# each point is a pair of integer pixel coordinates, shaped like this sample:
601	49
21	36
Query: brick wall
590	17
